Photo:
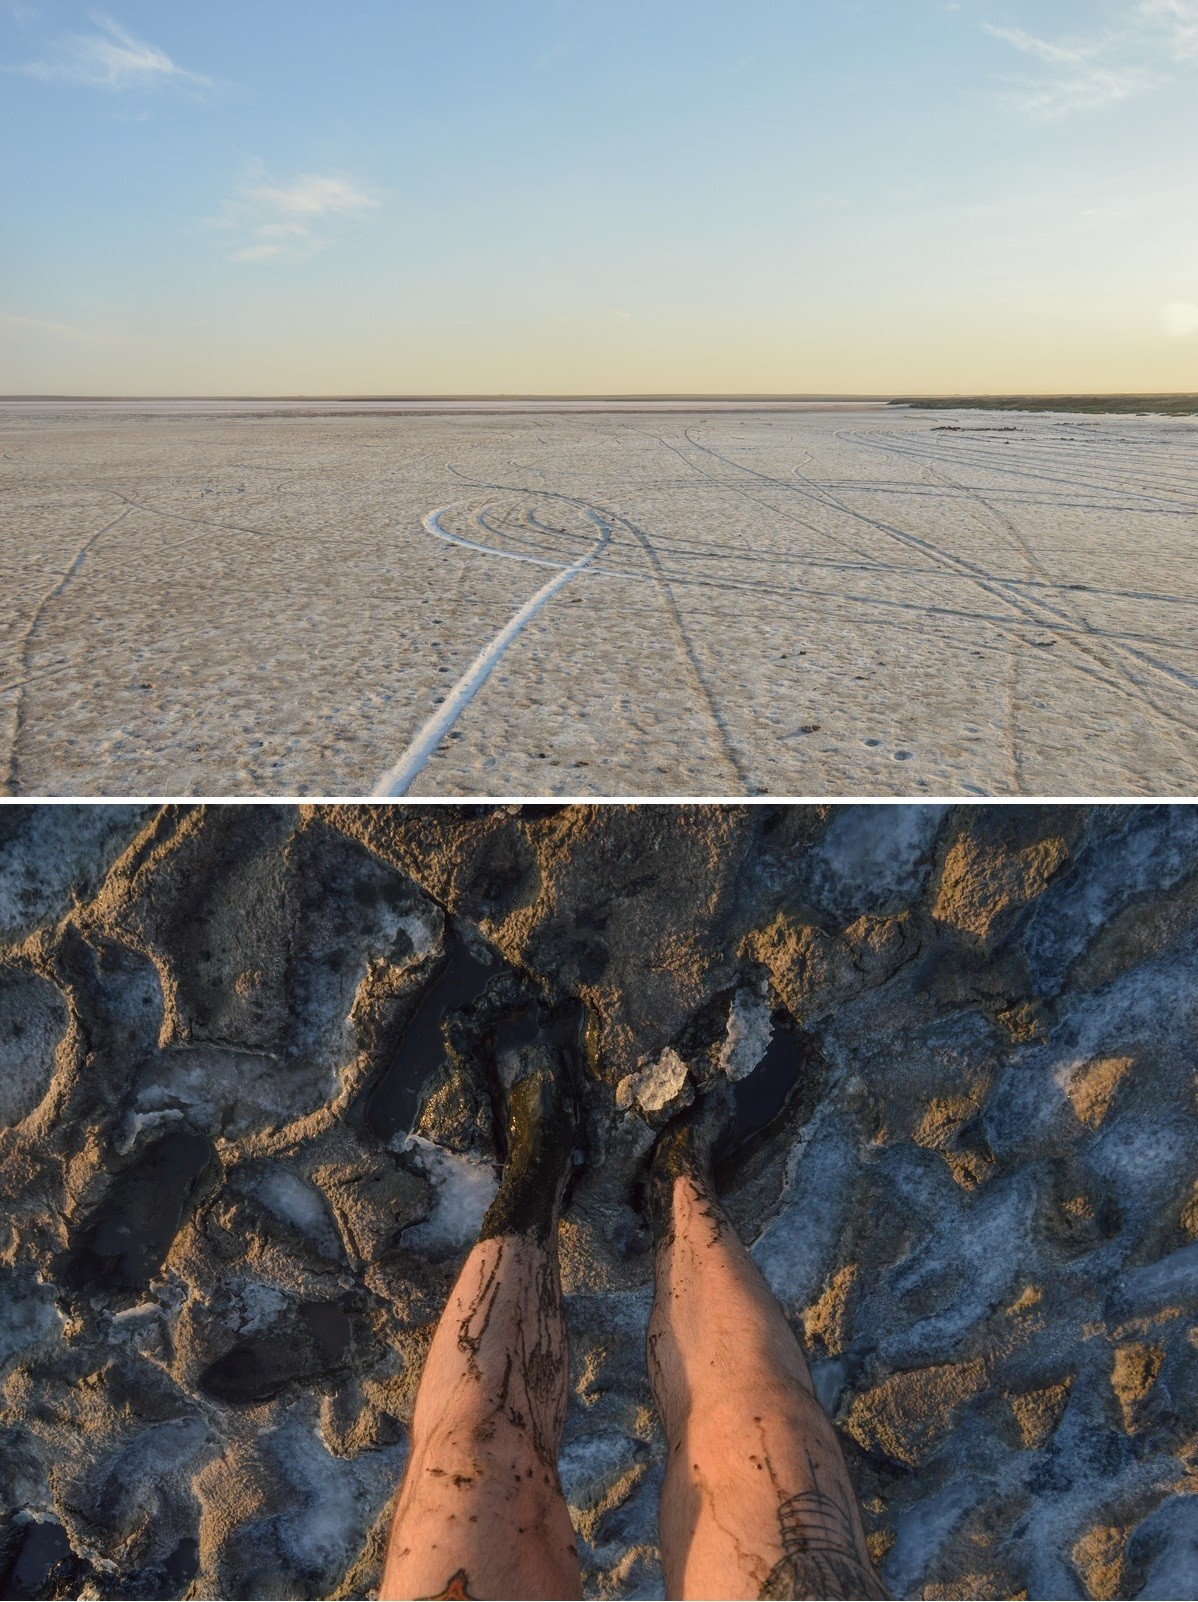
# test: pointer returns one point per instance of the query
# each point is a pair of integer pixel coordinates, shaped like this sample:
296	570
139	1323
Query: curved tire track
399	777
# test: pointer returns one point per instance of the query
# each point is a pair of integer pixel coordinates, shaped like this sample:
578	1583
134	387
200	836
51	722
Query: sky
397	197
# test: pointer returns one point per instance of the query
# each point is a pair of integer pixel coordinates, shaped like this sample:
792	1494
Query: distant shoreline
1156	405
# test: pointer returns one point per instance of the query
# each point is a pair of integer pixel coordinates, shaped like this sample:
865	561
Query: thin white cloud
1069	54
287	221
41	327
1177	21
1083	79
1139	49
111	58
313	196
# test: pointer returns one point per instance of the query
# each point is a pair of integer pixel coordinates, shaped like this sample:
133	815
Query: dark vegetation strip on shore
1140	405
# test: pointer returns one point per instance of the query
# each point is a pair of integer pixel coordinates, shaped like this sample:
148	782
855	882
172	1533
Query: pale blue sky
252	196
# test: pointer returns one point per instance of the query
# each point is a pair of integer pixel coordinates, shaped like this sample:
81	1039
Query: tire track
864	558
399	777
731	759
662	581
11	781
891	442
1082	636
1123	681
1029	611
1128	681
947	563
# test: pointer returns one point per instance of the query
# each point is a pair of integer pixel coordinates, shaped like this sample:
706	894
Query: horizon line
640	395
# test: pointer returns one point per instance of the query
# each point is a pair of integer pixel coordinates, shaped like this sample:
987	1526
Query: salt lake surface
214	600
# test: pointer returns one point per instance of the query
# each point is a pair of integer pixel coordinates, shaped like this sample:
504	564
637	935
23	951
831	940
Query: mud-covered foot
724	1122
688	1147
537	1061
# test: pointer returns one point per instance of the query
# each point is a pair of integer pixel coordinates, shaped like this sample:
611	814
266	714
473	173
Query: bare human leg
757	1500
481	1511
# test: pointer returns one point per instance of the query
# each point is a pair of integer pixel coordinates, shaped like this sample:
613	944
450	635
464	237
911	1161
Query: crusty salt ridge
796	603
981	1210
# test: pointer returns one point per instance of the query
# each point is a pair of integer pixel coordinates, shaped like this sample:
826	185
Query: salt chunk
750	1030
658	1086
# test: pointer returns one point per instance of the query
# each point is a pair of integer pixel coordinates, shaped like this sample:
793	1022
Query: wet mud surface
246	1141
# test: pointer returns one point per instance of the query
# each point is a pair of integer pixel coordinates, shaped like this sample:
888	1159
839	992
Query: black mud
127	1238
760	1099
314	1342
392	1106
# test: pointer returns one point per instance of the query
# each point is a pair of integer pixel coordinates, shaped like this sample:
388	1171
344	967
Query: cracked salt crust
813	603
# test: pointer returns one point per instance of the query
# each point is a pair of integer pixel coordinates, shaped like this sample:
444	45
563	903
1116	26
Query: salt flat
807	602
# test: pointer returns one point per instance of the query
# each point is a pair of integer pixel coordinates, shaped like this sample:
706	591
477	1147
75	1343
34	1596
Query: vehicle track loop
398	778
